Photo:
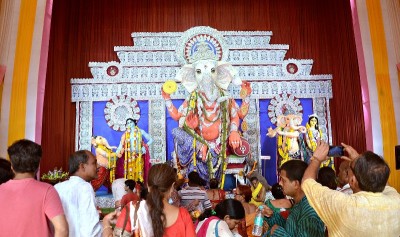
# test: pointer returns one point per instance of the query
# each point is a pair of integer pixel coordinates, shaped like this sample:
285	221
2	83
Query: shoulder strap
136	210
203	229
126	218
127	215
216	228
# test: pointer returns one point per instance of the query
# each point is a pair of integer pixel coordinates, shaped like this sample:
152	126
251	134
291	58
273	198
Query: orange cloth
182	227
250	223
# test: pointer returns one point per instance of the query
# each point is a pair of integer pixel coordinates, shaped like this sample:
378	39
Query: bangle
107	227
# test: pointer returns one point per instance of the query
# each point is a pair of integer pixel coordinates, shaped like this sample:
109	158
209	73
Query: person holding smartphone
374	207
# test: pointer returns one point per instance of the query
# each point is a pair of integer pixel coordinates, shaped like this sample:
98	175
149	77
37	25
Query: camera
336	151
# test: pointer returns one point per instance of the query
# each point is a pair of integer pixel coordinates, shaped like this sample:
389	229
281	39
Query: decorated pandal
202	100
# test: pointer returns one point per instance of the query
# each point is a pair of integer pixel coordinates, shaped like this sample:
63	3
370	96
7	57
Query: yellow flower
192	104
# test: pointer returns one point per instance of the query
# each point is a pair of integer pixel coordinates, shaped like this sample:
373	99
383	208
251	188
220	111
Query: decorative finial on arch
201	43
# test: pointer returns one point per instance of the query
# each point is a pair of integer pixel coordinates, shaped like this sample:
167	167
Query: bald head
343	177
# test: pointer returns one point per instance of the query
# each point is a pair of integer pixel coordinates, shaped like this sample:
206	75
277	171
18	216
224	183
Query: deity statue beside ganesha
131	160
295	141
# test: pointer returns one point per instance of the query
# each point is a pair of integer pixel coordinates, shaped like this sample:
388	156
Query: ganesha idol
208	118
106	163
289	133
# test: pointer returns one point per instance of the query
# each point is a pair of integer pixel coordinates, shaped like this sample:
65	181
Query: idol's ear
226	75
281	121
186	75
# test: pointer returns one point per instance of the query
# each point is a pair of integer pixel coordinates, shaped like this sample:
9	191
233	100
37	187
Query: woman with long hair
155	216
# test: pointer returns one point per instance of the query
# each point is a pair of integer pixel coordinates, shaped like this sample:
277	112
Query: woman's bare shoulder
285	203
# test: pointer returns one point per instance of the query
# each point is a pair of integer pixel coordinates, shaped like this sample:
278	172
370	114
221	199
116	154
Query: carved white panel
253	133
85	125
157	128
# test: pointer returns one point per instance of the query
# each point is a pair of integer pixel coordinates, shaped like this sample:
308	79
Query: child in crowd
281	203
130	193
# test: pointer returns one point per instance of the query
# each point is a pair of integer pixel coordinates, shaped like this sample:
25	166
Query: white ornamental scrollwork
119	109
284	104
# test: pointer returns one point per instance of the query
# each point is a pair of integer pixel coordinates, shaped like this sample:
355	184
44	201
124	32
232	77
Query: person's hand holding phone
321	152
353	154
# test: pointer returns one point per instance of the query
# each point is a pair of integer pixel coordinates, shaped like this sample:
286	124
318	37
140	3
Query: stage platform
104	199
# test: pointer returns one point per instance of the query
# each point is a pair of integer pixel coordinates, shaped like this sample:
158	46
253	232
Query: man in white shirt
78	198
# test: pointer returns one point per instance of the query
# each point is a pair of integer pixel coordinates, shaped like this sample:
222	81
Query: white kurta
78	200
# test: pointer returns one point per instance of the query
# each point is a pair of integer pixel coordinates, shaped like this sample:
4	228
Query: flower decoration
55	176
169	86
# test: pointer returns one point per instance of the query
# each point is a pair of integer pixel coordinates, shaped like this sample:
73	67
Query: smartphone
336	151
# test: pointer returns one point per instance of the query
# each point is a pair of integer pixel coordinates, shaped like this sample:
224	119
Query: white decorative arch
153	59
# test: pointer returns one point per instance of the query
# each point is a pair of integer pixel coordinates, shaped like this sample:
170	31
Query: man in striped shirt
302	220
194	193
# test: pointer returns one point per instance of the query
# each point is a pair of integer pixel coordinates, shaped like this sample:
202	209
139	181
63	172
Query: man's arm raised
320	155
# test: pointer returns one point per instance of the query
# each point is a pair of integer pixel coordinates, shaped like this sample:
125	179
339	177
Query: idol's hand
234	140
192	120
203	154
246	87
271	132
119	154
165	95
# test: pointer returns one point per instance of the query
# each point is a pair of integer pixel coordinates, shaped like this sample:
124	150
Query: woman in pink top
155	216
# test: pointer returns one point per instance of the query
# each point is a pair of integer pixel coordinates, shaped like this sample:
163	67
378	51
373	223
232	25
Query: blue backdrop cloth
268	145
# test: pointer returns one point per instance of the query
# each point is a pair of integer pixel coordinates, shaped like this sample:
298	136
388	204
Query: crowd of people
307	201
